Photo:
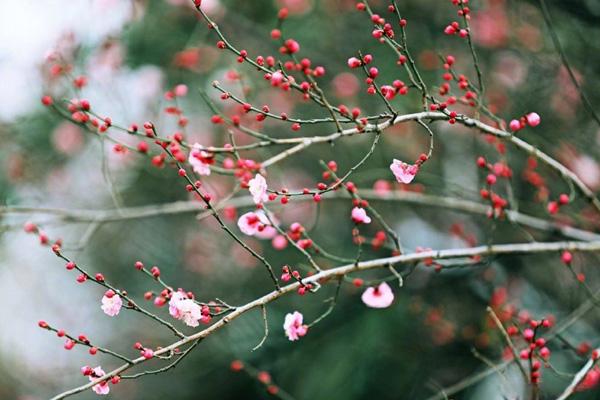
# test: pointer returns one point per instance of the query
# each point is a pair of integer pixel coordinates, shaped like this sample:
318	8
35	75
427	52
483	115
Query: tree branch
514	248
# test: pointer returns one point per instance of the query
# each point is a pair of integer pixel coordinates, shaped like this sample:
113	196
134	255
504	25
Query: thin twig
586	101
511	345
264	338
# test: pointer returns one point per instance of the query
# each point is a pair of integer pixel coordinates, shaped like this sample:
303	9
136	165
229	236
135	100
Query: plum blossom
354	62
258	189
294	329
533	119
382	187
403	172
378	297
200	160
111	303
388	92
345	84
291	46
184	309
256	224
101	388
515	125
277	78
180	90
279	242
359	216
147	353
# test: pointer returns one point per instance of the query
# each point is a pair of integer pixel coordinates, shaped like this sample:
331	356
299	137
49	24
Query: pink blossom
181	90
354	62
277	78
199	160
279	242
268	232
533	119
184	309
449	30
294	329
256	224
378	297
514	125
292	46
345	84
258	189
147	353
249	223
111	303
359	216
176	297
101	388
492	27
389	92
382	187
403	172
67	138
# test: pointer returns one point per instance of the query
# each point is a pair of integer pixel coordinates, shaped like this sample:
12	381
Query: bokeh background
133	51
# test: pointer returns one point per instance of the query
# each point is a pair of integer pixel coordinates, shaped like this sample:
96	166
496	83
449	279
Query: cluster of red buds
554	206
288	273
497	170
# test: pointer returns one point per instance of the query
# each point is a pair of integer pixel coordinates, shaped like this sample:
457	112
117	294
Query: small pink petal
379	297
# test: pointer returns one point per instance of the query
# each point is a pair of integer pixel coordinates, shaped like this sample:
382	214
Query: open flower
258	189
256	224
378	297
403	172
101	388
200	160
111	303
359	216
184	309
294	329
